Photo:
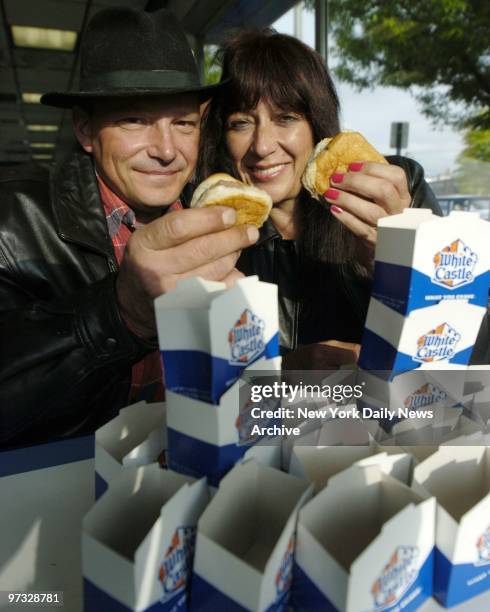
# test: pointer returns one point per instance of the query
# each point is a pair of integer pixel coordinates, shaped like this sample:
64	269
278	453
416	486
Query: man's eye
131	122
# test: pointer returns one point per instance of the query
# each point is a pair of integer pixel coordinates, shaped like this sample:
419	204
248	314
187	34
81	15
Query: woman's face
269	148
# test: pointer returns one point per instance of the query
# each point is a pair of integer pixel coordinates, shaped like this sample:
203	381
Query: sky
371	113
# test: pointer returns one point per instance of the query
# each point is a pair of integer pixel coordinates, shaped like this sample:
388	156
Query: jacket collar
78	211
267	232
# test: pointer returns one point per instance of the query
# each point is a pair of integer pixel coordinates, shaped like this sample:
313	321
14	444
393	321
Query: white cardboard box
138	539
459	478
137	436
445	332
422	258
208	439
365	542
245	541
209	334
318	464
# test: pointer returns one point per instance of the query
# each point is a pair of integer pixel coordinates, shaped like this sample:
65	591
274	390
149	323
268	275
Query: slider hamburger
334	155
252	205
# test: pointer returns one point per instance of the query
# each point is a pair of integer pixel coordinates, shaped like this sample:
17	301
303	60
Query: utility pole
298	22
321	28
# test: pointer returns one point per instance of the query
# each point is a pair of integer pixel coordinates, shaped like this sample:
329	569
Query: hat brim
71	99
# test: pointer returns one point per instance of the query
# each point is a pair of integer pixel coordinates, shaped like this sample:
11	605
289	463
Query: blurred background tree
437	49
472	174
212	70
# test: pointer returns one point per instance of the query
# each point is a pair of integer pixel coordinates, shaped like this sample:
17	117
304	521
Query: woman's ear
82	126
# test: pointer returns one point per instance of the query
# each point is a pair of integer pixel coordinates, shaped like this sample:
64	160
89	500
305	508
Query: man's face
144	148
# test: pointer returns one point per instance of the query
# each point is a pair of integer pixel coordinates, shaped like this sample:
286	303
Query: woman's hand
366	193
326	355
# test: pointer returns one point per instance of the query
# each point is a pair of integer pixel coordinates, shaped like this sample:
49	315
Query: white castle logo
454	265
427	395
437	344
397	576
483	547
177	563
284	574
246	338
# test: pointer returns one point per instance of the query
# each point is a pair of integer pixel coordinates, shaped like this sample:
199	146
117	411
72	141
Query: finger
232	277
181	226
205	249
217	270
359	228
367	212
337	355
382	191
390	172
352	347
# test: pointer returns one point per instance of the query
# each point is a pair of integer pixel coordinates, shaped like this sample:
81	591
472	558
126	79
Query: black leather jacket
66	355
275	260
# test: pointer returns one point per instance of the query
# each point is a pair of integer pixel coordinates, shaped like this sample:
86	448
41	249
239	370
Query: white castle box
138	540
318	464
459	478
365	542
441	334
136	436
422	258
245	541
208	439
209	334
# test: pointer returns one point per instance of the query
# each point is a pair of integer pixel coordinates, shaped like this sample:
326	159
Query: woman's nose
265	141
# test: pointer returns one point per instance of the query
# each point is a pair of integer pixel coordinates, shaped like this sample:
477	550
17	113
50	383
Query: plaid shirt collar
117	212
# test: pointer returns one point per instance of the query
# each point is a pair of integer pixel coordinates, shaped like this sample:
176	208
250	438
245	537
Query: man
77	282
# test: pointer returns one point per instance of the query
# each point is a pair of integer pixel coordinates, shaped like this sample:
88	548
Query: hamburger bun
252	204
334	155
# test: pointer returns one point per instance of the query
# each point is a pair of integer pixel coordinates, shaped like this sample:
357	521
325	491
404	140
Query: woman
278	103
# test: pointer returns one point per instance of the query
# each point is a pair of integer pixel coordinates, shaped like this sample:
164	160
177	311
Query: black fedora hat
129	52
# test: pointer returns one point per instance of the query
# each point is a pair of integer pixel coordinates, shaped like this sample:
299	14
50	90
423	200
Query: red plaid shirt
147	374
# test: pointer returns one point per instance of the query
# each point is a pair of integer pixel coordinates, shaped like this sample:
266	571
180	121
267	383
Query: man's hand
181	244
327	355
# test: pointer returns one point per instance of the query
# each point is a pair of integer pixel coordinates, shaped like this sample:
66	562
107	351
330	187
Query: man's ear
82	126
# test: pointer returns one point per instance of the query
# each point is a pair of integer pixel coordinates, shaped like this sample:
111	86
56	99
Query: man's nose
161	142
265	140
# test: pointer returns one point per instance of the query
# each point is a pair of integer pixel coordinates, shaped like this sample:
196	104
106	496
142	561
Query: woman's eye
287	118
237	124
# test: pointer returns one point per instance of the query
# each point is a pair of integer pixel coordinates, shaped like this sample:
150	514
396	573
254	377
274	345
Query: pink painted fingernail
336	209
338	177
331	194
356	166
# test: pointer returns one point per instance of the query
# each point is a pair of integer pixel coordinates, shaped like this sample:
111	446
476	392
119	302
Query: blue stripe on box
379	354
197	458
207	598
204	377
307	597
97	600
101	485
405	289
50	454
451	581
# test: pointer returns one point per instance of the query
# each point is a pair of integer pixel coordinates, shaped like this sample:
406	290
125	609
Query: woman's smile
267	173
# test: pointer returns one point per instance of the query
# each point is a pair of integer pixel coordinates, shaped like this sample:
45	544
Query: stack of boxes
369	537
430	290
210	336
430	294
